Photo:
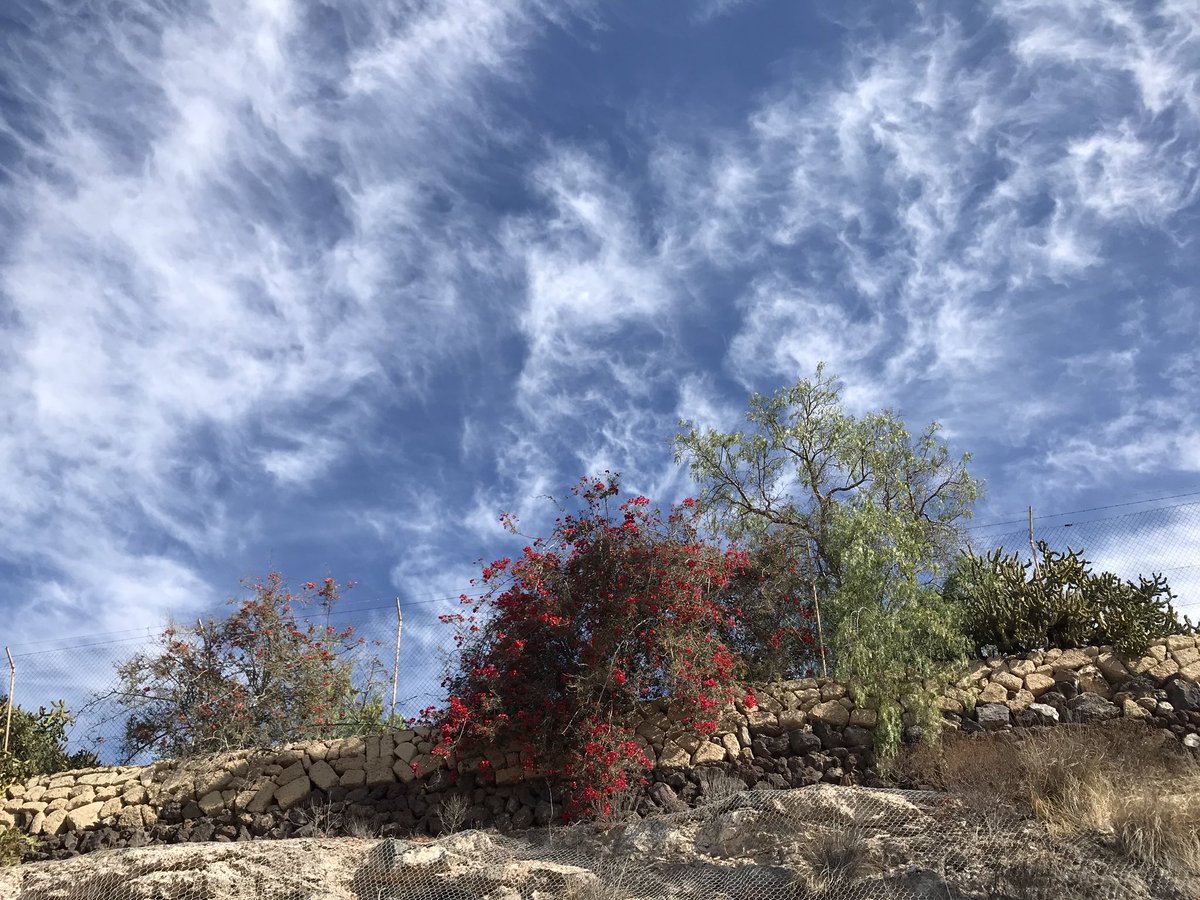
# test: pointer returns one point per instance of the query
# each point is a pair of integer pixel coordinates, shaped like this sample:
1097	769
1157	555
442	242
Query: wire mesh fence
818	843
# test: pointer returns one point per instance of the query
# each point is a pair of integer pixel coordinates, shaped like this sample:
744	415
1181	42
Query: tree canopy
869	514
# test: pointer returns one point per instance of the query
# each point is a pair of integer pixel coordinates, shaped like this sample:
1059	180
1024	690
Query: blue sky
325	287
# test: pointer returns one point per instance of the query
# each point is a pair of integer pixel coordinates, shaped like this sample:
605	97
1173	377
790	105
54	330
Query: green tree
873	516
37	744
258	677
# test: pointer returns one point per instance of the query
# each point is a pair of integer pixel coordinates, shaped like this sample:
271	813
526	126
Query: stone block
832	690
1009	681
673	756
1072	659
406	752
1185	656
52	823
732	746
1112	668
294	772
130	817
403	771
830	712
994	693
212	803
111	807
82	817
379	771
261	799
1178	642
1038	684
992	716
353	778
290	794
708	752
1022	700
1143	665
322	775
1164	670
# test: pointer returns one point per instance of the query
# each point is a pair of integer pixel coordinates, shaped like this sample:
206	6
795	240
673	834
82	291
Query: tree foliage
872	516
257	677
1011	605
615	608
37	744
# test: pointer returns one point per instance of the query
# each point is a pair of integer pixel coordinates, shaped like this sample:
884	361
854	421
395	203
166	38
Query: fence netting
838	843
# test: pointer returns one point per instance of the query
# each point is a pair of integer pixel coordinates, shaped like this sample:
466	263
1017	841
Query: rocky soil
823	841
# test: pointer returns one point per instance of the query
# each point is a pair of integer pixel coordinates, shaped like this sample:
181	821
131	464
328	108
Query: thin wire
1076	512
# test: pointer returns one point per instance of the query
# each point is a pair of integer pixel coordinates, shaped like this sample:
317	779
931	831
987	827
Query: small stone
1132	709
1191	741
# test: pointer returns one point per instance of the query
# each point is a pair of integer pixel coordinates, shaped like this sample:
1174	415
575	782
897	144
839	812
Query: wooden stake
396	668
12	684
1032	548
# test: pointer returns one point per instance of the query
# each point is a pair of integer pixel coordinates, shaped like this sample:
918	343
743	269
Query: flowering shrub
769	601
258	677
617	607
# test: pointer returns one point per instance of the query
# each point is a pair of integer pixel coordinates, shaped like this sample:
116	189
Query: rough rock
992	716
1090	708
1183	695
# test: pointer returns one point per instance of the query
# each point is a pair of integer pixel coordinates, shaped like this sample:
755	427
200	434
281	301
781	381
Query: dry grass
837	857
1123	783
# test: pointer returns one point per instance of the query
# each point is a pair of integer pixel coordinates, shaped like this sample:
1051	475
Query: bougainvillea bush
618	606
258	677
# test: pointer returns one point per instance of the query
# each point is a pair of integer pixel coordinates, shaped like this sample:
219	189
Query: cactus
1015	606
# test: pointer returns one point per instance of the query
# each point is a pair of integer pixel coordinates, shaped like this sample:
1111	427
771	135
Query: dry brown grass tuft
837	857
1122	781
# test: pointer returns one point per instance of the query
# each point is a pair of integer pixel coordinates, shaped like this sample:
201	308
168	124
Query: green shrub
12	842
1016	607
37	744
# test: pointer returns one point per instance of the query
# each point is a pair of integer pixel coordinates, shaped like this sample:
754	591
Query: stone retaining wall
799	733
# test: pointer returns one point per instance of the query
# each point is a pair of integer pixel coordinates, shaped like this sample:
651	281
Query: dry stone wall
799	733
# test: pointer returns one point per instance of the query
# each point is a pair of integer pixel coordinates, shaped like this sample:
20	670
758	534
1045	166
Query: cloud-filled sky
327	286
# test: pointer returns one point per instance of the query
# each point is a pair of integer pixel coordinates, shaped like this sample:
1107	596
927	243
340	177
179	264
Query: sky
326	287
